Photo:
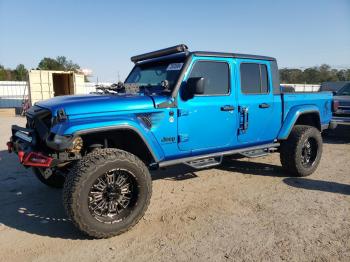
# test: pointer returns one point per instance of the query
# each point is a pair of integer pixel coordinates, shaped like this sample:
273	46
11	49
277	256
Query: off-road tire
83	175
291	150
55	180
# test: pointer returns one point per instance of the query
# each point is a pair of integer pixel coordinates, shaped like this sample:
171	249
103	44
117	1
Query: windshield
345	91
154	75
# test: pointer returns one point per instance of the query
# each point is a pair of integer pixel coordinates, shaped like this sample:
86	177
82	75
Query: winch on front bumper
36	146
22	142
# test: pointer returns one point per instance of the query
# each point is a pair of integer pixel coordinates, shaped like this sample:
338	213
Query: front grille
342	114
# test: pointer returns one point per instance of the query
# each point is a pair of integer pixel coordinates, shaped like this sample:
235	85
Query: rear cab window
254	78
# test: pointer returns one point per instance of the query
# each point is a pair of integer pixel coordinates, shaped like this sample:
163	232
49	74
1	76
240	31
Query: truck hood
95	103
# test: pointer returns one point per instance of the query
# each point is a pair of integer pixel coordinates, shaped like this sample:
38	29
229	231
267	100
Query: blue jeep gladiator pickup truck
174	107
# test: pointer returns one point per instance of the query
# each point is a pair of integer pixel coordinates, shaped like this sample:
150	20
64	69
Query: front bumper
34	152
340	120
22	142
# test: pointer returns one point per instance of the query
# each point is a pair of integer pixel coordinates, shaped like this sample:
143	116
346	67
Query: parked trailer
13	93
45	84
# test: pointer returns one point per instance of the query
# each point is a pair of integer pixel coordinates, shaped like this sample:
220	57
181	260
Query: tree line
20	73
311	75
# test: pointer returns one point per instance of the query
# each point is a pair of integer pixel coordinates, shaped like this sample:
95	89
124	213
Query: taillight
335	105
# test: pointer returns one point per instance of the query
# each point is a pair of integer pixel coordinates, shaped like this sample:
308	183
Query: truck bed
321	100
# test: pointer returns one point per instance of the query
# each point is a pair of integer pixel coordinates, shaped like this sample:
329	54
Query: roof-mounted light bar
161	52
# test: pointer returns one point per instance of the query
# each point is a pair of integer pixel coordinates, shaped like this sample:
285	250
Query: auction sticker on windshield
174	67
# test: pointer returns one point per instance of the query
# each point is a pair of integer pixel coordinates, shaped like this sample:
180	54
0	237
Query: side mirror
334	93
195	85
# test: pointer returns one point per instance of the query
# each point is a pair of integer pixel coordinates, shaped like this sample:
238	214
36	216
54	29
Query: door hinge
182	112
183	138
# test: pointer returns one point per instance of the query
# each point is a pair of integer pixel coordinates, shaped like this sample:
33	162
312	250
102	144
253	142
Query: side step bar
258	152
205	162
255	153
193	160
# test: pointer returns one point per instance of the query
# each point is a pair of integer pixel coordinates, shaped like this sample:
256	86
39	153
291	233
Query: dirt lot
245	210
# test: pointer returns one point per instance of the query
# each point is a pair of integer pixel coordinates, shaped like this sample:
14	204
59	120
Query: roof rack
161	52
184	49
233	55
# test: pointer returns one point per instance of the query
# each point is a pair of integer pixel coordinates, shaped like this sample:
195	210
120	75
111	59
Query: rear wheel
301	153
107	193
56	179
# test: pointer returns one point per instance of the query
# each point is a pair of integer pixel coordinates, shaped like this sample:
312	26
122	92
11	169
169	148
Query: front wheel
301	153
107	192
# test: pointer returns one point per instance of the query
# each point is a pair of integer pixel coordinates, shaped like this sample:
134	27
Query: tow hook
34	159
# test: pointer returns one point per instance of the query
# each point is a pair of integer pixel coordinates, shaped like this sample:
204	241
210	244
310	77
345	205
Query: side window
254	78
216	75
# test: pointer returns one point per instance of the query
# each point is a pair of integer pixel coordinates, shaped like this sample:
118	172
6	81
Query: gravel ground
244	210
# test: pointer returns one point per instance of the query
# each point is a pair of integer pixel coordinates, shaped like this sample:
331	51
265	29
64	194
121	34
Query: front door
208	122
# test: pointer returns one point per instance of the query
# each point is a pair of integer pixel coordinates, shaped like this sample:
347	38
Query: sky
103	35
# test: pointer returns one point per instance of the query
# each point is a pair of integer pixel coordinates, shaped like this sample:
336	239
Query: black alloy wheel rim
113	196
309	152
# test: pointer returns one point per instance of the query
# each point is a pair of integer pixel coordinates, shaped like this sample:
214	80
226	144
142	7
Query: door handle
243	119
227	108
264	105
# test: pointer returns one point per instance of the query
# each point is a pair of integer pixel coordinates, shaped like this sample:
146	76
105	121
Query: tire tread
78	177
288	150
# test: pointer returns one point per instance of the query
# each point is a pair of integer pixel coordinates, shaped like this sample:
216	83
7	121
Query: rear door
256	102
208	122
